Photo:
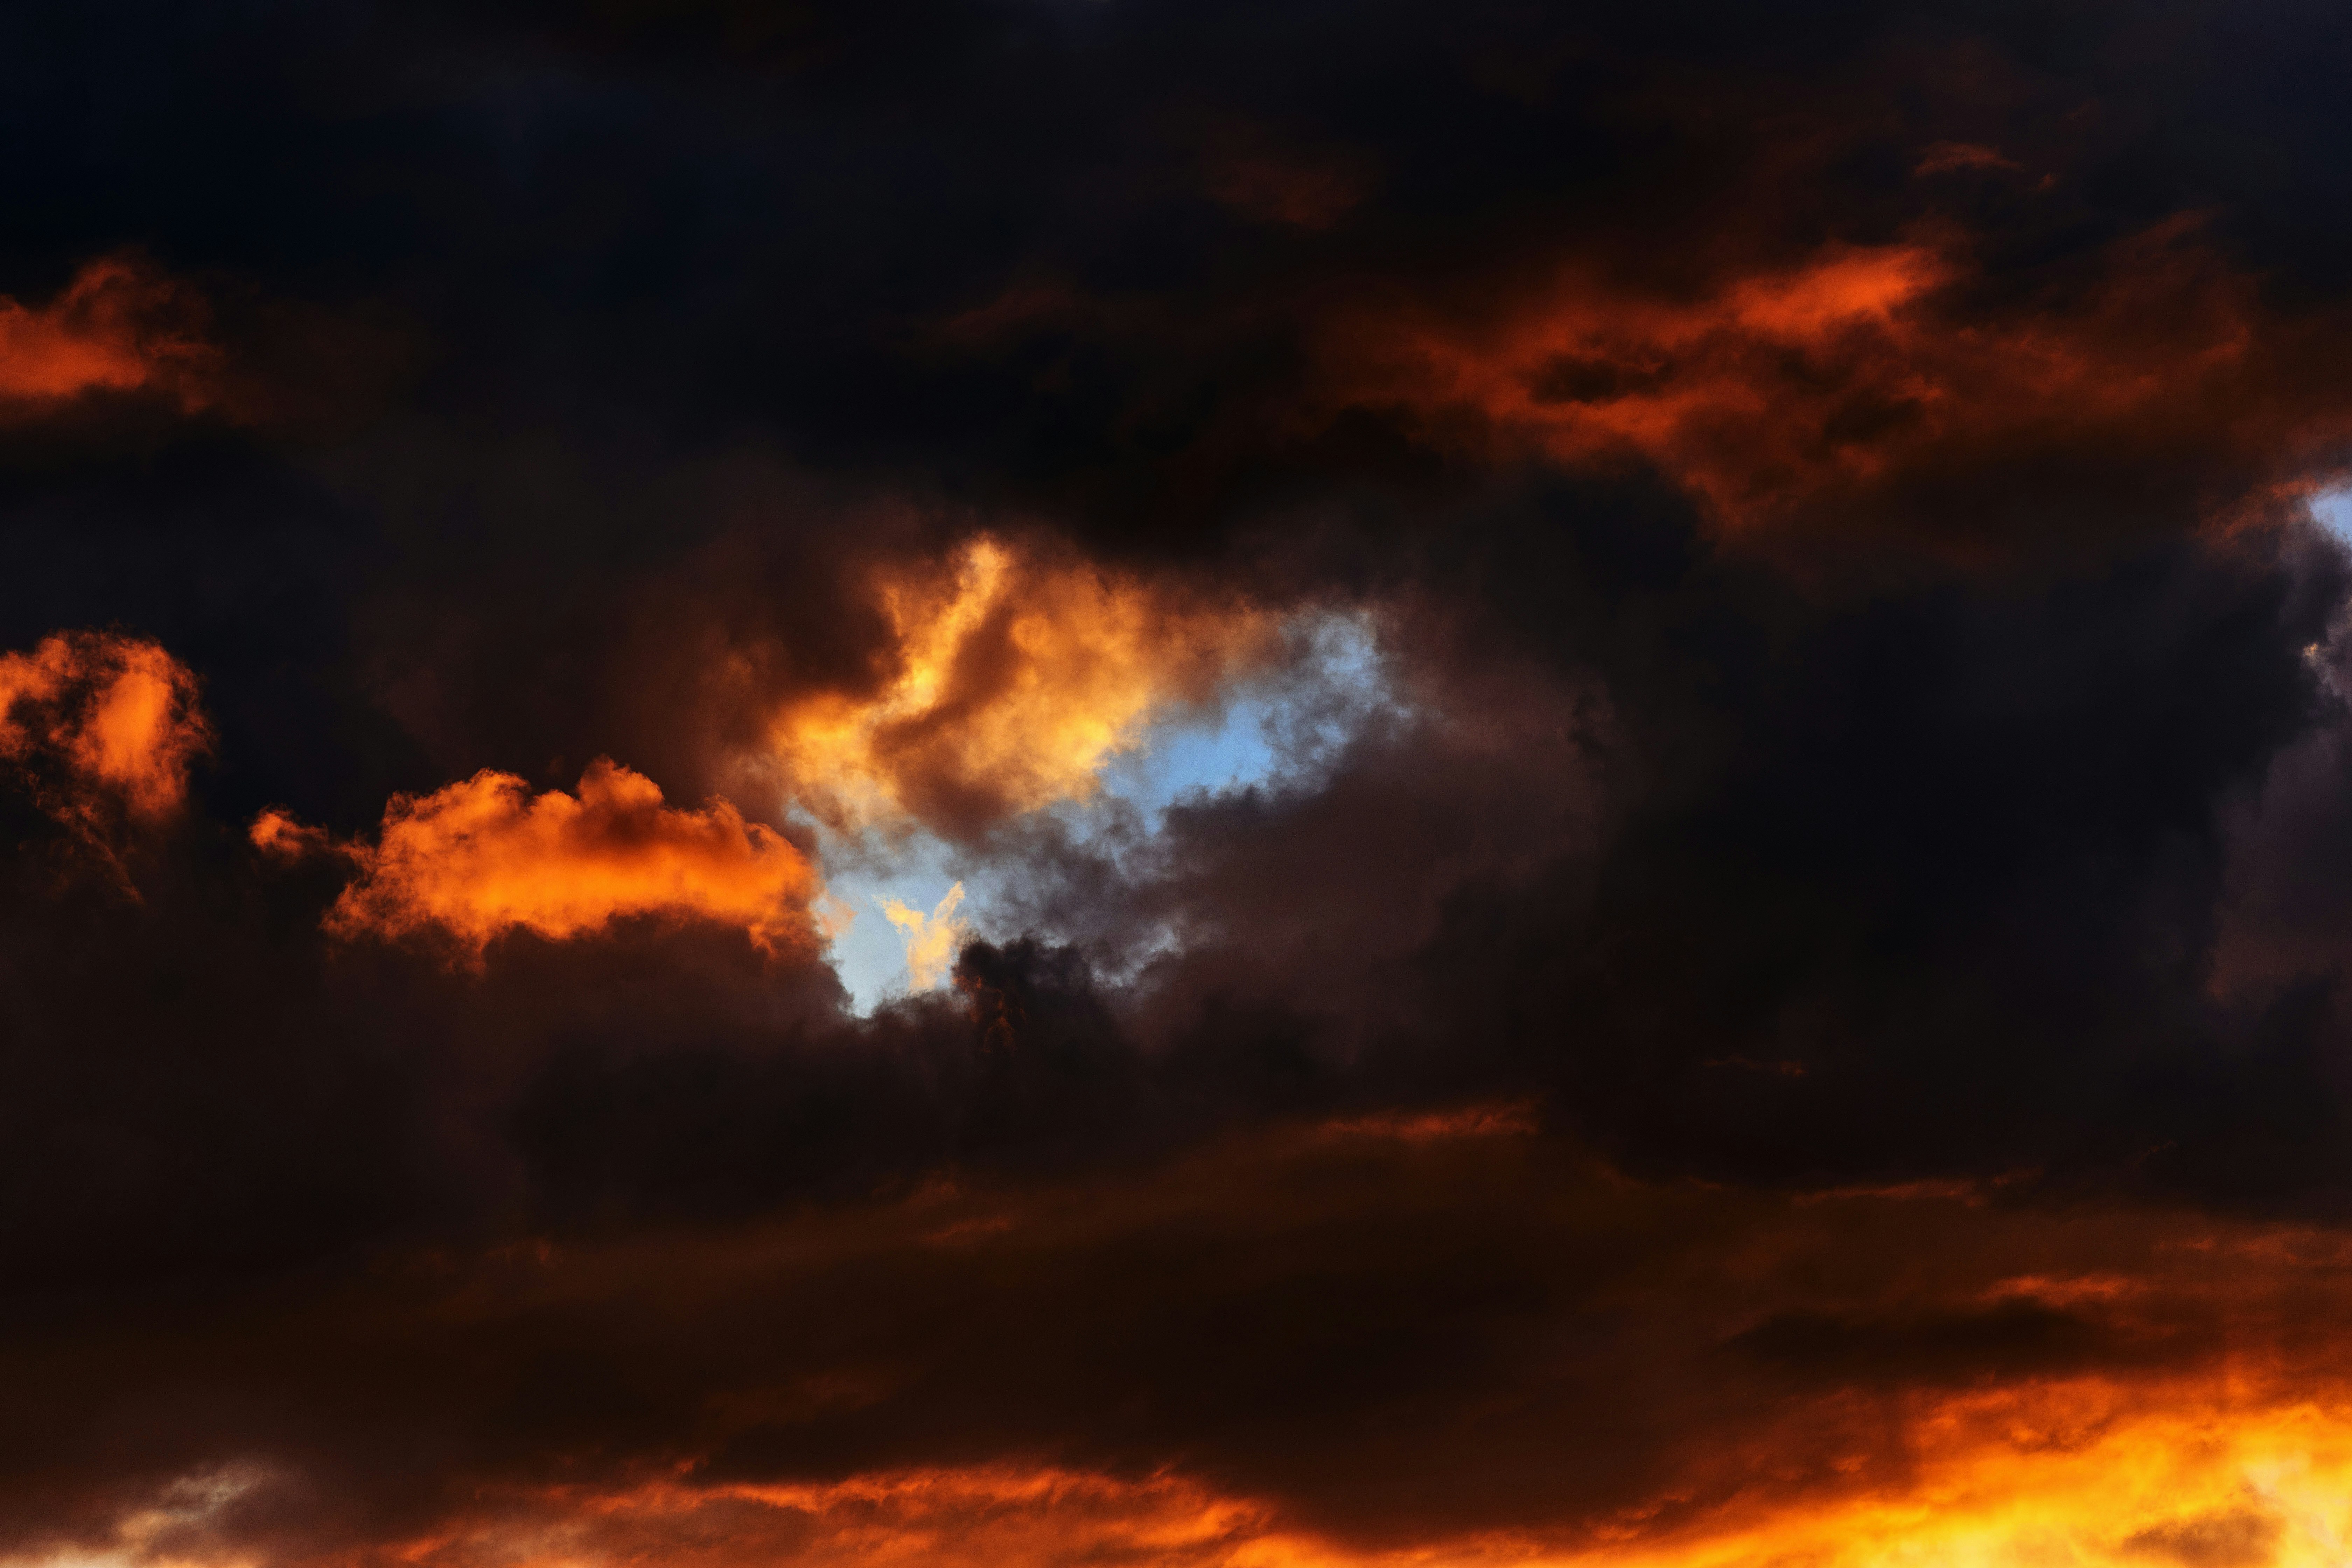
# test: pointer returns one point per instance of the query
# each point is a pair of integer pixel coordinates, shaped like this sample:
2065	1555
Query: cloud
969	1518
118	327
1009	680
2115	1462
103	728
477	860
1852	382
2231	1538
931	939
1028	1366
1806	1019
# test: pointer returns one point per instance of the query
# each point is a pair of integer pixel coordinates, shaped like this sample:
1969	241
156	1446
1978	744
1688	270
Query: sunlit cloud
117	327
1816	382
2087	1473
103	730
1279	724
179	1523
1012	680
930	939
484	856
970	1517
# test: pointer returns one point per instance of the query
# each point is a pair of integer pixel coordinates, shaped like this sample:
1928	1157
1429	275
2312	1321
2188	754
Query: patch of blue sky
2333	510
1285	728
870	955
1281	732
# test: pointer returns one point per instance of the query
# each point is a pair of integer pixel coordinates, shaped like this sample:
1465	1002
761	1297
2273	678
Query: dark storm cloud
1866	713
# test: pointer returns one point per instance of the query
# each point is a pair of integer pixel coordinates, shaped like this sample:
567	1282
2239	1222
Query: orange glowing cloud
930	939
2214	1429
1012	680
976	1517
117	327
2196	1475
104	726
1820	384
2078	1473
2231	1449
480	859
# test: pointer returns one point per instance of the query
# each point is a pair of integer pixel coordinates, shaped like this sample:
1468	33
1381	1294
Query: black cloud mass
1802	1019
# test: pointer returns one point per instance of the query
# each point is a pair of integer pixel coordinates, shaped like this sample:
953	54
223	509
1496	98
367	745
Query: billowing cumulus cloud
2089	1471
478	858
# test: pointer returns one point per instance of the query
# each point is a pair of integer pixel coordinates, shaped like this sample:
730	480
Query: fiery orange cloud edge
2082	1473
103	728
2242	1464
2192	1488
2241	1459
119	326
2078	1475
1792	395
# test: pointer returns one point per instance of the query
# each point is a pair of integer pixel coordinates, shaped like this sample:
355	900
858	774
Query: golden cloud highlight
2088	1474
117	327
2085	1476
2197	1488
485	857
930	939
2211	1429
104	727
1011	680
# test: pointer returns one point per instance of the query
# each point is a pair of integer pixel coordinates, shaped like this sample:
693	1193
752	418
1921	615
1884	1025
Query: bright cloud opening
1280	725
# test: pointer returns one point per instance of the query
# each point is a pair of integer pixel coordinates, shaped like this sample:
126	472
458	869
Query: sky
1021	782
1262	735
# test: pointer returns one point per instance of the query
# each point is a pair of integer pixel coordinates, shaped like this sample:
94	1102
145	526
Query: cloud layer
1779	999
